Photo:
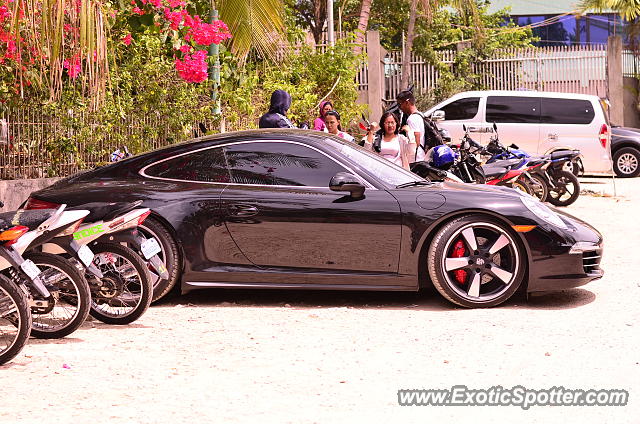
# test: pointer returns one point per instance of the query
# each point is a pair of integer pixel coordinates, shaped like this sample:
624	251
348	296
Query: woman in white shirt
332	121
387	143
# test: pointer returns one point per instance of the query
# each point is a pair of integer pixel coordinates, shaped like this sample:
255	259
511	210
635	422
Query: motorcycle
119	280
552	181
58	293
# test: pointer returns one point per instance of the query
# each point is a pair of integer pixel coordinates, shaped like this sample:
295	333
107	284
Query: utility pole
214	71
330	36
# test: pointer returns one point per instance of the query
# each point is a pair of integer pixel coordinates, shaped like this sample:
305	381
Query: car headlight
543	212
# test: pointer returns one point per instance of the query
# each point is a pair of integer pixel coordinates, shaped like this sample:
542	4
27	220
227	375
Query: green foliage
308	75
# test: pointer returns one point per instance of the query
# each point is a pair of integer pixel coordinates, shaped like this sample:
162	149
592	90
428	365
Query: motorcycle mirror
495	127
464	128
513	146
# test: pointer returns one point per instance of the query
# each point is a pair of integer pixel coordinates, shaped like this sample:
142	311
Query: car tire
626	162
170	255
476	261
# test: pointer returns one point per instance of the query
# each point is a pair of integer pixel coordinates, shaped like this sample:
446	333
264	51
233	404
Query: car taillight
143	217
33	203
12	235
604	135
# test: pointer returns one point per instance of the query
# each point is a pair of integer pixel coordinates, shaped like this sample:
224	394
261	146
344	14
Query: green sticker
97	229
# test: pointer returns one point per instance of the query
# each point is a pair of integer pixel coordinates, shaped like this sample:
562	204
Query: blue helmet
442	156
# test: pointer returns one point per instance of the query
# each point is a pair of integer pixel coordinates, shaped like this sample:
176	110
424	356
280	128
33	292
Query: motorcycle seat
563	154
27	218
100	211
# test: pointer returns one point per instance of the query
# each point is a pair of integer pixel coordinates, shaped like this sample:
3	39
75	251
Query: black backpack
431	136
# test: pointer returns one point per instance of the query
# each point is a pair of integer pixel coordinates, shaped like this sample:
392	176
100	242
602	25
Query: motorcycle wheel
566	190
124	293
69	301
15	320
523	185
540	187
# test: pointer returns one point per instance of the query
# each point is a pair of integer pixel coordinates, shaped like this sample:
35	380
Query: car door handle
553	136
239	209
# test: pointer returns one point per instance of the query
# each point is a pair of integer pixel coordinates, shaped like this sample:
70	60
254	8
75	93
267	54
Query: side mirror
344	181
438	115
514	146
495	127
464	128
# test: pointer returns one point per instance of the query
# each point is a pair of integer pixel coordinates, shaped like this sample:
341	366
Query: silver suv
538	122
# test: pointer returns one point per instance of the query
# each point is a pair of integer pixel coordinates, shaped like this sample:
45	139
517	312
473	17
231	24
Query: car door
568	123
281	213
517	119
465	111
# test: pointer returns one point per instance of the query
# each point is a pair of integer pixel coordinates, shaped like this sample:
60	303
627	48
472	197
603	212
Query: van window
513	109
461	109
566	111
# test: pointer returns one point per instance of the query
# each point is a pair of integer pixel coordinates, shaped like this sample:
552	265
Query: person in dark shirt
277	115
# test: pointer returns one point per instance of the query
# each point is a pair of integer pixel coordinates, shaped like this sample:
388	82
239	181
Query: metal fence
34	145
576	69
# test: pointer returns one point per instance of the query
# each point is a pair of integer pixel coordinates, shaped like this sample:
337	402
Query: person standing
332	120
318	123
277	115
388	143
415	122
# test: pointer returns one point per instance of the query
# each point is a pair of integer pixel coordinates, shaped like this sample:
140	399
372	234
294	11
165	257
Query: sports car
307	210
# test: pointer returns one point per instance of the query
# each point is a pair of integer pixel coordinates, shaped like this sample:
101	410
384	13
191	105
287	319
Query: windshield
383	169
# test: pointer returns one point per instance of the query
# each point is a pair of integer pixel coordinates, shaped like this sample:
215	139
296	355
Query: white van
537	122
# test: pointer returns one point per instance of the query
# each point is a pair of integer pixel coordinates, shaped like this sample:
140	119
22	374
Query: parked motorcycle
58	293
552	181
121	288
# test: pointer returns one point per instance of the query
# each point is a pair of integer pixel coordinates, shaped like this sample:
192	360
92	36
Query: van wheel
626	162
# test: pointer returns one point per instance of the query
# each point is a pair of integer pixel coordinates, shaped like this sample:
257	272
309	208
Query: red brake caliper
459	252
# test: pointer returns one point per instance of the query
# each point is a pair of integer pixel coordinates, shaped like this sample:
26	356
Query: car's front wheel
476	262
626	162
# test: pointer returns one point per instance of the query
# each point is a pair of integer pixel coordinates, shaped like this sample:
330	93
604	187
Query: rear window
461	109
513	109
566	111
207	165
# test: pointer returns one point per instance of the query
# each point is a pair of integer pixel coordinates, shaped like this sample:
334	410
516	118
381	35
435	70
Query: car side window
461	109
204	166
513	109
279	163
566	111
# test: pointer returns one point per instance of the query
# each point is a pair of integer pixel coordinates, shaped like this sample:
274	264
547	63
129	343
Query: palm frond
255	24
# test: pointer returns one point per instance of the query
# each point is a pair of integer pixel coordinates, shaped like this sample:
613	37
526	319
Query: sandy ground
287	356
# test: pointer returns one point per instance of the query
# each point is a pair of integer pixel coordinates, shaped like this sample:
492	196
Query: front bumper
567	259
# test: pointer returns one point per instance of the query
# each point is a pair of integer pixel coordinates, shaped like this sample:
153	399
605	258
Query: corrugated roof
534	7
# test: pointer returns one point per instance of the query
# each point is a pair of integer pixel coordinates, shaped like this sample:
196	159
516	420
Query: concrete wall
14	192
631	114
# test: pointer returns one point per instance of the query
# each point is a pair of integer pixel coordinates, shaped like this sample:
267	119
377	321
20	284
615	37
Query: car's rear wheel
475	261
626	162
169	255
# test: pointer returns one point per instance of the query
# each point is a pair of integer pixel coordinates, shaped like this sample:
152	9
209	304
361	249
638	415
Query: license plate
30	269
86	255
149	248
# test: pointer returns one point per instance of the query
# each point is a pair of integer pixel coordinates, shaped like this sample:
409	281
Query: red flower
138	11
193	68
127	39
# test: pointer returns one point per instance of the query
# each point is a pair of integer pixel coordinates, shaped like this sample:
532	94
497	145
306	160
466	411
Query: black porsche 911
302	209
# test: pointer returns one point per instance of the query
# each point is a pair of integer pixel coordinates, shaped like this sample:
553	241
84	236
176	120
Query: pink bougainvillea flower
205	34
177	3
73	68
155	3
193	68
137	11
127	39
186	49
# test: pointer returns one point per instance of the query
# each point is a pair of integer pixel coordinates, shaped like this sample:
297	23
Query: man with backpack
425	132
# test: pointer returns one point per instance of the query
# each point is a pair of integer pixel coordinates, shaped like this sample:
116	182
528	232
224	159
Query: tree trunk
363	23
406	53
319	17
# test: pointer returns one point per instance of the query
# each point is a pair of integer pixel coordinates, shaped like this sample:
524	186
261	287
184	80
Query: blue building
592	28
